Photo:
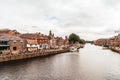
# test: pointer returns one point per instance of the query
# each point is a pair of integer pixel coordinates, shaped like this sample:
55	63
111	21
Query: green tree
73	38
82	41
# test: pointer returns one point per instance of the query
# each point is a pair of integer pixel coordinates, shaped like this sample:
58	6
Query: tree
73	38
82	41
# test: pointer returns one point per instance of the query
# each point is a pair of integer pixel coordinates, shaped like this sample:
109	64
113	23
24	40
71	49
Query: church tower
50	32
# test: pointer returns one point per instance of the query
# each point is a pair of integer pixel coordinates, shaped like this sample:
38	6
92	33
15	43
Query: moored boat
73	49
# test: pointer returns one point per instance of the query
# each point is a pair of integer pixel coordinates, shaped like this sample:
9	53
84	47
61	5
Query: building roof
7	37
34	36
8	31
30	35
31	41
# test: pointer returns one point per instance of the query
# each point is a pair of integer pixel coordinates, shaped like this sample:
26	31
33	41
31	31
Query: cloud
90	19
112	2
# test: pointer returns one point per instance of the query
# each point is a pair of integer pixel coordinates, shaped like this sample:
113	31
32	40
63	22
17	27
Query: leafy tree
73	38
82	41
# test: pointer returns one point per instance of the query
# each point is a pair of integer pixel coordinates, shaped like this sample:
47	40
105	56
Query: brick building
115	42
57	42
43	42
12	44
32	45
102	42
36	41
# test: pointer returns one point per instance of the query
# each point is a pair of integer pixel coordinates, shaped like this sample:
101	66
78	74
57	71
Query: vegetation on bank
73	38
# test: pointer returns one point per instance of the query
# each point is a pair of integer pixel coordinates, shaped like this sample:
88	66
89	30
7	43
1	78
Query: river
90	63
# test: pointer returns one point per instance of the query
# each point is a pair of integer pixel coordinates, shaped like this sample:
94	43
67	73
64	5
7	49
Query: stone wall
31	54
20	46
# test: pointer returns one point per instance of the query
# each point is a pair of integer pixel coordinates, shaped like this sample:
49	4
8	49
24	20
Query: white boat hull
73	49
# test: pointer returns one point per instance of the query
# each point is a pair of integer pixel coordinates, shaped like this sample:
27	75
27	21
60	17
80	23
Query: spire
50	32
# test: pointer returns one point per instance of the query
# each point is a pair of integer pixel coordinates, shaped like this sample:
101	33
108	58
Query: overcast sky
91	19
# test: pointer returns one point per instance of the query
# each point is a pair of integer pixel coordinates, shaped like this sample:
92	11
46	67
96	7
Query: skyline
90	19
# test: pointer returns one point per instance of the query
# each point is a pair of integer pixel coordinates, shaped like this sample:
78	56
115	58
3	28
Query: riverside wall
39	53
115	49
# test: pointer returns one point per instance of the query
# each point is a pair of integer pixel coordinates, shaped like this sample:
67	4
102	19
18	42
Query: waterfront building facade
36	41
32	45
57	42
43	43
110	42
10	44
14	42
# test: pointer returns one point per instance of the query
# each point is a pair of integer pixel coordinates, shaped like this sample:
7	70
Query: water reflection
90	63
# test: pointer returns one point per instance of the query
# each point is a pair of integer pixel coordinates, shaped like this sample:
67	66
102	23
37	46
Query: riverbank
115	49
39	53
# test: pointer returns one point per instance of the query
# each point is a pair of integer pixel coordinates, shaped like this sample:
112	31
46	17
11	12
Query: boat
82	45
73	49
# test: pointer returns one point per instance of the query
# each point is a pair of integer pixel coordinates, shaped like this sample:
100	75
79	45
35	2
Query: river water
90	63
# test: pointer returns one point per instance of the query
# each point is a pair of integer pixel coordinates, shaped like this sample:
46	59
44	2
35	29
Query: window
14	48
40	46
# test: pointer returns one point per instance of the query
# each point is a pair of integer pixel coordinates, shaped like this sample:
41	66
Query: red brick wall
20	46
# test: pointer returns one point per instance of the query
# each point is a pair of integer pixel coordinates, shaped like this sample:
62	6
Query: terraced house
36	41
